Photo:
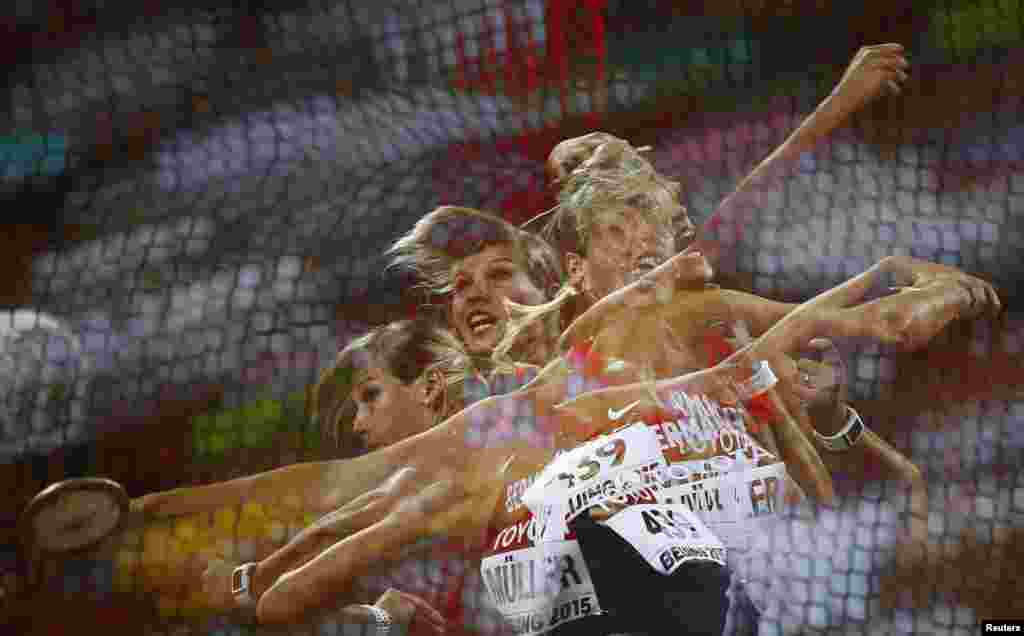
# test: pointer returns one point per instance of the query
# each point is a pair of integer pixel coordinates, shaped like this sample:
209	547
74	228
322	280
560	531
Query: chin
483	345
478	343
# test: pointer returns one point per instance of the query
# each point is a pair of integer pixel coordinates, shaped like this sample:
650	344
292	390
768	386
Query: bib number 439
658	521
666	535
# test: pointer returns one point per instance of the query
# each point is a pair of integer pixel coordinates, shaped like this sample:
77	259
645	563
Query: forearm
317	584
298	485
906	319
827	117
312	487
332	528
758	313
299	551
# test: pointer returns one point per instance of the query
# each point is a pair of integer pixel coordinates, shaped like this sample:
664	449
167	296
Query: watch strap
241	585
381	618
848	436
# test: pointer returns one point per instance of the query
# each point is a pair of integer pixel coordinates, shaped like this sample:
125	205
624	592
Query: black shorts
637	600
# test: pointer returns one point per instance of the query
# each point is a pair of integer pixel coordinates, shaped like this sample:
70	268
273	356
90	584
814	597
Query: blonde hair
448	234
408	350
522	317
599	175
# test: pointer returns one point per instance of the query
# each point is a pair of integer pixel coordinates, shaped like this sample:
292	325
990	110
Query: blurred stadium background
199	195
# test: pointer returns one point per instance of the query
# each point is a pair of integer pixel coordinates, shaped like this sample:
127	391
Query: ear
435	392
574	265
448	312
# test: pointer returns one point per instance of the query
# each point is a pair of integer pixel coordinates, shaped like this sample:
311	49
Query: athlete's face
481	284
627	242
621	249
388	411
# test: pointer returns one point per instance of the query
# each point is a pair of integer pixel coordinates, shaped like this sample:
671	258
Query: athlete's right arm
361	512
308	482
316	487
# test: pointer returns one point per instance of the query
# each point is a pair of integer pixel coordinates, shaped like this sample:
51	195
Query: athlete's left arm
873	71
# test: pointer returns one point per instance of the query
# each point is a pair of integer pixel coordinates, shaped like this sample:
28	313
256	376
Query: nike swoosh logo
615	415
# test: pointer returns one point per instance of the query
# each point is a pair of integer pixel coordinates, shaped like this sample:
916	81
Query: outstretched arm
464	464
313	487
304	483
874	70
937	296
460	480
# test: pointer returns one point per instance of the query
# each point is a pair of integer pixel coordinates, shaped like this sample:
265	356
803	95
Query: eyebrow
361	380
503	259
459	272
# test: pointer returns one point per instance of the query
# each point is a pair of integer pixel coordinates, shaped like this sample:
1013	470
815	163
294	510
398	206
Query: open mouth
643	266
480	322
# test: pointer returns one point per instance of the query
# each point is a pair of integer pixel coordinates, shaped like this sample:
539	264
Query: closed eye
370	395
501	273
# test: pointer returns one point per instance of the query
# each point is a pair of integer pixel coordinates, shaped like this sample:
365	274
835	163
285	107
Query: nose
645	239
360	424
476	289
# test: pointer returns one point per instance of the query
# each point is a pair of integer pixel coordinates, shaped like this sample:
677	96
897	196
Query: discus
74	515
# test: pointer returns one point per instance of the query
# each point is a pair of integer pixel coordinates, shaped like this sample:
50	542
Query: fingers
690	269
897	66
993	300
981	297
424	612
881	50
821	344
986	297
887	60
830	369
889	47
568	155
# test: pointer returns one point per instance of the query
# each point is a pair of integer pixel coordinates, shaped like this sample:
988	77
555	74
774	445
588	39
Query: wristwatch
241	585
848	436
381	619
760	381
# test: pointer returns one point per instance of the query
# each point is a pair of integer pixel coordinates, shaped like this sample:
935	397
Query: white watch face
75	518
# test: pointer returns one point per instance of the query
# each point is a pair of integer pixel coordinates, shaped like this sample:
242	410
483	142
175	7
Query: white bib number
540	588
734	505
667	535
591	474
